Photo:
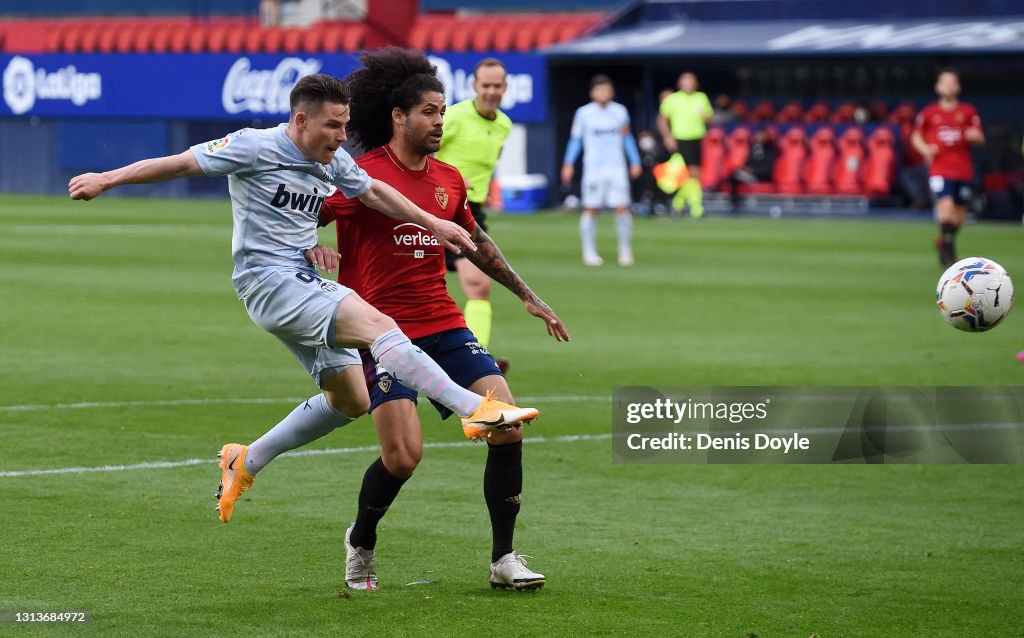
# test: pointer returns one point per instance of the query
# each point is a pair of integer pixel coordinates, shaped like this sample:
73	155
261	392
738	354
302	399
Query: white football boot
510	572
360	565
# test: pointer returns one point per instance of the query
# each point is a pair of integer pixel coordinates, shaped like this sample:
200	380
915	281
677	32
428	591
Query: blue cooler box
523	194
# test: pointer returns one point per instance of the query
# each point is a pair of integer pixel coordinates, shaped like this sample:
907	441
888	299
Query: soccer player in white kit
278	179
600	130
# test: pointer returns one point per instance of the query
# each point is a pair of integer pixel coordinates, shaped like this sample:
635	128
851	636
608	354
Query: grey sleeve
232	153
351	179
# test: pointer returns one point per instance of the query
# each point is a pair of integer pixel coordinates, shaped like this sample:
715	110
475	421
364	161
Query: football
974	294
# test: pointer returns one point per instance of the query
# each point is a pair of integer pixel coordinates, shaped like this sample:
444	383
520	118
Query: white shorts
605	190
298	307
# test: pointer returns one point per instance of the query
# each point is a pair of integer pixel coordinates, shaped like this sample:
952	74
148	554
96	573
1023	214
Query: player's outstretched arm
384	198
489	259
147	171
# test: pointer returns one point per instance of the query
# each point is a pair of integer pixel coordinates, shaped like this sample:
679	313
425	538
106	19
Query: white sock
415	369
588	234
306	423
624	229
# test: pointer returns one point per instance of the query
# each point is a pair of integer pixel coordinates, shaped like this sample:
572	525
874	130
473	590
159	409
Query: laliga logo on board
458	84
24	84
263	91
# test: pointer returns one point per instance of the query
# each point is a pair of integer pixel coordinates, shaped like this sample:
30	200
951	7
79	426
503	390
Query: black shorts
481	220
691	151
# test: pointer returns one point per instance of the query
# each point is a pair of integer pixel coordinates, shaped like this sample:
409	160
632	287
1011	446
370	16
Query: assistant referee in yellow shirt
474	132
682	122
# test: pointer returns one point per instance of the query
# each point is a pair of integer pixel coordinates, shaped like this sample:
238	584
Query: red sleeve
335	206
973	119
921	120
464	216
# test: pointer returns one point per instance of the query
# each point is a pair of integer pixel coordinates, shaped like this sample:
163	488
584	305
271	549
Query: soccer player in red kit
943	135
401	268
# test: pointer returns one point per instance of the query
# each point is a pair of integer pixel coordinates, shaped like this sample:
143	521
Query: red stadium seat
504	34
352	37
88	40
55	38
331	41
254	40
292	41
819	112
849	169
462	35
526	36
789	168
312	39
126	39
712	162
792	112
484	36
737	149
440	36
763	112
844	113
572	30
197	39
179	38
235	40
419	35
106	40
216	39
547	34
880	165
741	109
272	40
161	41
820	162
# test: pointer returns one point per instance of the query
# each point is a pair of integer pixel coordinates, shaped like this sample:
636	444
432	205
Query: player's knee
351	406
378	323
477	287
402	462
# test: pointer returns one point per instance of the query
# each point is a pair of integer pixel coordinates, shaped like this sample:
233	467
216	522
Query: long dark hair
389	78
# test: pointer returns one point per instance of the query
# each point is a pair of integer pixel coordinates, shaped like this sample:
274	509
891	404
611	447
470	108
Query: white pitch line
159	465
89	405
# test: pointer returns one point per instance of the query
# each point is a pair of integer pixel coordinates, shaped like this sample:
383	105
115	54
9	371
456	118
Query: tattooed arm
489	259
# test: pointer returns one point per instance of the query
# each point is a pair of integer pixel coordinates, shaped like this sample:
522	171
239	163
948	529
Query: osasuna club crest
441	197
384	383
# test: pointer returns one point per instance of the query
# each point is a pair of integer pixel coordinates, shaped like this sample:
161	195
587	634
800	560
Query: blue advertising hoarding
220	86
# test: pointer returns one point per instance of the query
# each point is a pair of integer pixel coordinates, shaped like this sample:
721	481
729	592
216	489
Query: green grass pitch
122	343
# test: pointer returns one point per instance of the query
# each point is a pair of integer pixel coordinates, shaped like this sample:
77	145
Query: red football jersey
946	130
398	267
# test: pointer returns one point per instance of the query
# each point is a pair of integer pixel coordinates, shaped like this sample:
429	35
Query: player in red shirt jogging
401	268
943	135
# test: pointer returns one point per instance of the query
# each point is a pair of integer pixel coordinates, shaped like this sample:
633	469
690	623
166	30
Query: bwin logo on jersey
297	201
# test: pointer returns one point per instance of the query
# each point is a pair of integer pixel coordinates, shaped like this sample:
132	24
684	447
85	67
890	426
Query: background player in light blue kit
278	178
600	130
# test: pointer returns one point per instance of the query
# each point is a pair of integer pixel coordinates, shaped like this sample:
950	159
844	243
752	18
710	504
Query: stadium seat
790	113
819	112
197	40
763	112
741	109
820	162
142	39
880	165
179	38
483	37
234	42
878	111
126	39
462	35
54	39
547	34
254	40
849	168
352	37
573	29
419	36
273	39
504	34
440	36
789	168
106	39
331	40
312	39
292	40
88	40
844	113
737	149
712	163
526	36
216	40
